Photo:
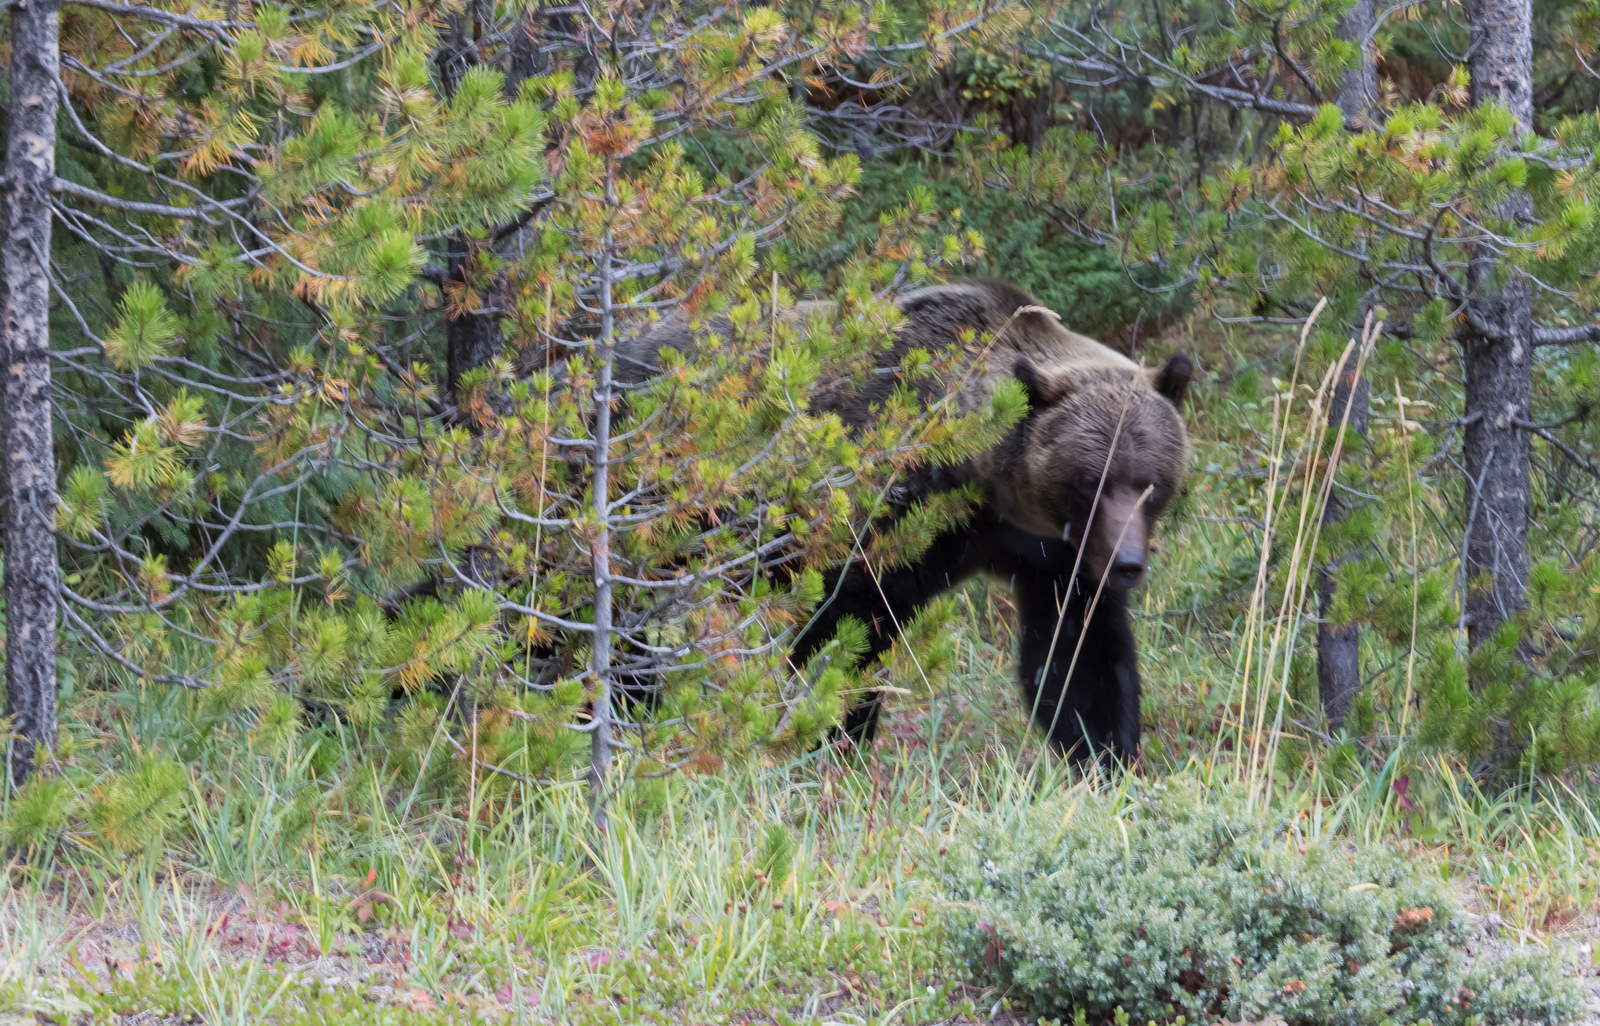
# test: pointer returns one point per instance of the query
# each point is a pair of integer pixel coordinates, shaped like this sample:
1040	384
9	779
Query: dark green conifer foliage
279	493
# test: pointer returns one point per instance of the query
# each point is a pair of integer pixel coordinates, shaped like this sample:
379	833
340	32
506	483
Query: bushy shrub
1171	899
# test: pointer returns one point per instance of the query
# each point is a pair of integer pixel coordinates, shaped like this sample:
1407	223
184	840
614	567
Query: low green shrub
1171	900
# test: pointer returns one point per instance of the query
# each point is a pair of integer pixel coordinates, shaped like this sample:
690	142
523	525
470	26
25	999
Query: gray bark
1358	93
1339	648
30	476
600	547
1498	362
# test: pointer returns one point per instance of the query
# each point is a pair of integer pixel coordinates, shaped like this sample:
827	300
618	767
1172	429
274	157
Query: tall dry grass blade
1279	437
1296	620
1307	455
1248	632
1411	502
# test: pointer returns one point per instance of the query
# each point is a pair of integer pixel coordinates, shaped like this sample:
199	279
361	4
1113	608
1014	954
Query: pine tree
334	364
669	531
217	345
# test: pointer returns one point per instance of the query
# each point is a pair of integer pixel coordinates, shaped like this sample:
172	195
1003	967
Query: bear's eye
1083	484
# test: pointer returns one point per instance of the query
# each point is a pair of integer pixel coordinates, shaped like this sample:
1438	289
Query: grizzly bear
1062	520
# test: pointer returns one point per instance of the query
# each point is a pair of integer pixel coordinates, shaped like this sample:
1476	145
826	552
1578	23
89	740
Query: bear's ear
1172	381
1043	387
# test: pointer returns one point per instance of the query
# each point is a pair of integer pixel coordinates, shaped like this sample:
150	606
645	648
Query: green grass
753	891
765	892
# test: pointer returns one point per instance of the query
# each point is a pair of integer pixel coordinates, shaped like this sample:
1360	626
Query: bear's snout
1117	551
1126	569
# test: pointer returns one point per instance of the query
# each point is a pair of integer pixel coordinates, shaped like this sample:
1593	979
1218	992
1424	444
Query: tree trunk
1497	351
30	474
525	59
473	338
1358	93
600	546
1339	648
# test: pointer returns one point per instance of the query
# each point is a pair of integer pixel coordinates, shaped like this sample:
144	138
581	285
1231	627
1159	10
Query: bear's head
1062	460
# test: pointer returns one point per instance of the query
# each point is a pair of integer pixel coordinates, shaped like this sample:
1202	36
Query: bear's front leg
1096	715
885	602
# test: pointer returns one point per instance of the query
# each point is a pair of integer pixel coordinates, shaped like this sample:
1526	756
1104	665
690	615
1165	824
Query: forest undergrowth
301	887
314	877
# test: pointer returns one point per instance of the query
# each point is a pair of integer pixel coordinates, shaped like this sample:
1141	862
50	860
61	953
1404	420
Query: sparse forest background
369	624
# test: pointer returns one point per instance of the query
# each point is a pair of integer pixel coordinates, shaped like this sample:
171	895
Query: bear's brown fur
1053	486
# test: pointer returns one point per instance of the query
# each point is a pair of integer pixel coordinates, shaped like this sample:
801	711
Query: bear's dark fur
1052	489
